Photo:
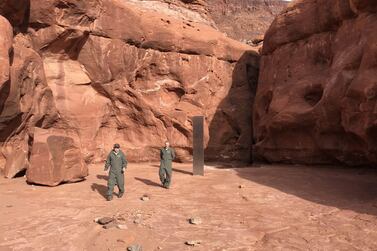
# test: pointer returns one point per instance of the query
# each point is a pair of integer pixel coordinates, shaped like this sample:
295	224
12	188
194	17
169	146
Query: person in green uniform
167	155
116	161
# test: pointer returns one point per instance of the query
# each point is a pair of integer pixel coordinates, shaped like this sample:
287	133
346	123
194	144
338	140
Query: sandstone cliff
316	98
77	76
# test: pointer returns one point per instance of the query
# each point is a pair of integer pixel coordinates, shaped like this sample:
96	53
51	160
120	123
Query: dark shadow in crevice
230	131
20	174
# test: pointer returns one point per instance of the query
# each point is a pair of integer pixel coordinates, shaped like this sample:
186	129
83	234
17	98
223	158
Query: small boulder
104	220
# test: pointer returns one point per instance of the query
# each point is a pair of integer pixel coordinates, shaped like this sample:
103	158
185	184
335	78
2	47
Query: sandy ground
260	208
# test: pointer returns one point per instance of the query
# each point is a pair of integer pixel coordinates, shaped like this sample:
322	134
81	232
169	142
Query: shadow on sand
101	189
102	177
148	182
344	188
177	170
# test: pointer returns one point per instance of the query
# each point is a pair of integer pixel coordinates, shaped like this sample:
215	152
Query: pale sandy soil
277	208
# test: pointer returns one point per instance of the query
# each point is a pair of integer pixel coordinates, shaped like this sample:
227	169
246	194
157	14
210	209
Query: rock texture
245	20
82	75
317	90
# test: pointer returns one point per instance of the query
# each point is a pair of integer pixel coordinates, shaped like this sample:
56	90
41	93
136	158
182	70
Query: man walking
167	155
117	162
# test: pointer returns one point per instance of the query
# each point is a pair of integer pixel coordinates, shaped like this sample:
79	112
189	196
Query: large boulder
55	158
316	95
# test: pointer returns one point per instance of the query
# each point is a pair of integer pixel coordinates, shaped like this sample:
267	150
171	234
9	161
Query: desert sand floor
258	208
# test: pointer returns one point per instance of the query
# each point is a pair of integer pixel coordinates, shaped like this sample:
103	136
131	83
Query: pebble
137	221
145	198
136	247
122	226
195	221
193	243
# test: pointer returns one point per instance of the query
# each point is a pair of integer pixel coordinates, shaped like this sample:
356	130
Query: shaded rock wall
316	98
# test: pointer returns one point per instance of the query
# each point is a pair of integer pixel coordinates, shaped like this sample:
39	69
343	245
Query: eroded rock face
87	74
316	94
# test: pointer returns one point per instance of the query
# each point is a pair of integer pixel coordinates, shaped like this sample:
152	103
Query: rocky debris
195	221
193	243
135	247
246	19
111	222
317	85
241	186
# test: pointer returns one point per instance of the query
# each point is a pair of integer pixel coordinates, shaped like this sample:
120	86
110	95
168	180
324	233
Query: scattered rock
104	220
241	186
137	221
193	243
195	221
145	198
136	247
122	226
110	225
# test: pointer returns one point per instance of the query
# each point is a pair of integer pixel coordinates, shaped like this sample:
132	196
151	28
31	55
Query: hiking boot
120	195
109	198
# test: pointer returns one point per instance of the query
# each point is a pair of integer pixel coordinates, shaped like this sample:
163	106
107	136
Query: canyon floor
265	207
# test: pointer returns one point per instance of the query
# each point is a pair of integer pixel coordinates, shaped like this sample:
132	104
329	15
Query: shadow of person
101	189
148	182
182	171
102	177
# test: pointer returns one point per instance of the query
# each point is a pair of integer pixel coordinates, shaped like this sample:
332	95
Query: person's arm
108	162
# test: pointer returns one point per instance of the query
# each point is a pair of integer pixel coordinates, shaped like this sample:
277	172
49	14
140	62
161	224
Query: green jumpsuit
167	156
117	164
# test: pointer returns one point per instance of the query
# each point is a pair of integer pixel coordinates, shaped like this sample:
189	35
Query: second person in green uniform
167	155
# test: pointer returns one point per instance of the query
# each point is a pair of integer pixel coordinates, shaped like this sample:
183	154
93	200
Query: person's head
116	148
167	143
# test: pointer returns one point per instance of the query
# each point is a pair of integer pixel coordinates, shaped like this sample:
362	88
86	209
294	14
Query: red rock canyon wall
317	90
